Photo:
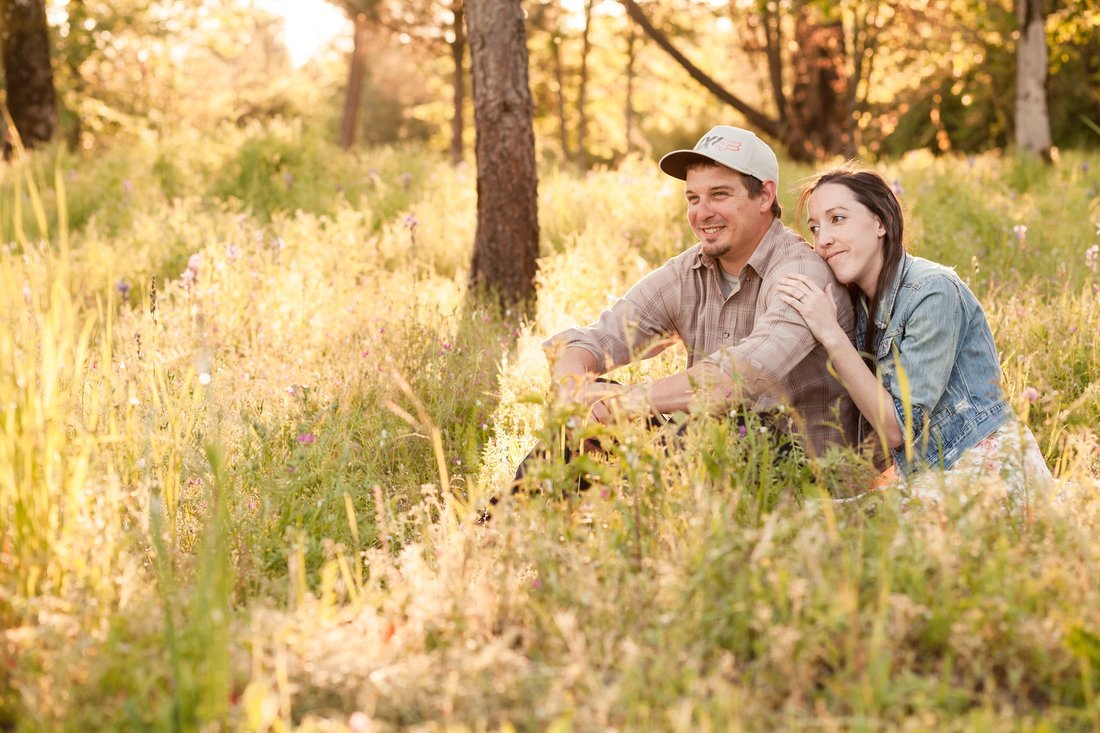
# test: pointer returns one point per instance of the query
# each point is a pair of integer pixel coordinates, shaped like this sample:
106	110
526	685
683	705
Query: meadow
249	417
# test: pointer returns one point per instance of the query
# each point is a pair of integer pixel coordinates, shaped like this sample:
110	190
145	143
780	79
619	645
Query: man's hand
606	401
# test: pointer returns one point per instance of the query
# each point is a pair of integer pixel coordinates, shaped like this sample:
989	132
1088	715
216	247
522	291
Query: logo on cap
719	143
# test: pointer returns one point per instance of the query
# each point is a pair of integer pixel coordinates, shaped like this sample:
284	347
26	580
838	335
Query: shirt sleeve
926	350
780	338
629	329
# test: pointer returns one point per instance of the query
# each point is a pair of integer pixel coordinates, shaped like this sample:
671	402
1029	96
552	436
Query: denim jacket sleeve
918	350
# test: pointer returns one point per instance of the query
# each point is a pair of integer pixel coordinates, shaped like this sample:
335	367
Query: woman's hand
816	306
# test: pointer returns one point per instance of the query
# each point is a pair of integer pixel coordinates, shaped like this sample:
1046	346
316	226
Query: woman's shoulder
926	276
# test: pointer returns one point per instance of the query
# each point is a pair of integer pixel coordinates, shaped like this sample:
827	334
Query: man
744	345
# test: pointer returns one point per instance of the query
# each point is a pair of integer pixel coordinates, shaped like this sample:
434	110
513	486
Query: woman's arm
818	309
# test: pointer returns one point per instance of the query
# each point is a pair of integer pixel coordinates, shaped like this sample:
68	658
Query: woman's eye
814	230
837	219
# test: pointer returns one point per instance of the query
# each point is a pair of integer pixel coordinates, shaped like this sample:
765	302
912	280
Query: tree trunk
631	43
506	245
582	91
28	75
458	50
353	101
1032	118
818	128
559	79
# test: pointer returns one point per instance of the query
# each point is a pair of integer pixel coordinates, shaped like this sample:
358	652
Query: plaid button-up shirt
751	334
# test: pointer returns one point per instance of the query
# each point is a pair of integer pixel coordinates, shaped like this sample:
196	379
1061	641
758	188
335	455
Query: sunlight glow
310	25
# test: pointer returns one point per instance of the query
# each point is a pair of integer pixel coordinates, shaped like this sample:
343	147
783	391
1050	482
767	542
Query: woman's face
847	235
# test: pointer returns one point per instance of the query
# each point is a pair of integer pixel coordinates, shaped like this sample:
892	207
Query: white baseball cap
733	147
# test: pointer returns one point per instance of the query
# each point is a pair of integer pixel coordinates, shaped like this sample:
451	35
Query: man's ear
767	196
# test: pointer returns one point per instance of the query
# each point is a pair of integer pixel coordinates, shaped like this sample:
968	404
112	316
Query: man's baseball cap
733	147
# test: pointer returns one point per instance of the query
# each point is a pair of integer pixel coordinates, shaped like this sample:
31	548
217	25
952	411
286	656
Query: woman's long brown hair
871	190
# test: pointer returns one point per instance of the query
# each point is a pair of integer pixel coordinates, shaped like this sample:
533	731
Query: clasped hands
607	402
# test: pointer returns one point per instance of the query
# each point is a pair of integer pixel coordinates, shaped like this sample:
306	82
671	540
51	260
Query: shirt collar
761	256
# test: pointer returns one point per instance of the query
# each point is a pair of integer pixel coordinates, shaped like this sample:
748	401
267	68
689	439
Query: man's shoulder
794	255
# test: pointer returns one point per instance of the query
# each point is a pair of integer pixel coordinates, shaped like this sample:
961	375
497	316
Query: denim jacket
937	360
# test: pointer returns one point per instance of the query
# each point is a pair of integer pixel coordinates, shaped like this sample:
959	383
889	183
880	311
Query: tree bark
506	244
353	101
458	51
28	75
1032	117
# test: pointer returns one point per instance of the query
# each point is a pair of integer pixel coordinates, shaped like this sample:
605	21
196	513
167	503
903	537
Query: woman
930	384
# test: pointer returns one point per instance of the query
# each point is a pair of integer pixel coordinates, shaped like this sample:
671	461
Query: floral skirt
1009	458
1010	454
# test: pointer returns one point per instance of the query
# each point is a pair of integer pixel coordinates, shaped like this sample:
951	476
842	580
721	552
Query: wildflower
895	186
1092	257
536	583
1020	232
127	186
1030	394
123	289
307	438
406	179
742	431
288	179
410	221
232	252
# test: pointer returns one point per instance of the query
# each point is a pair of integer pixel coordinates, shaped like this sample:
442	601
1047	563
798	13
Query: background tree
1032	118
362	14
506	245
28	71
457	43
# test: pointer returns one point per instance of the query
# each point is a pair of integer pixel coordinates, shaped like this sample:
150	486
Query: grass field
248	417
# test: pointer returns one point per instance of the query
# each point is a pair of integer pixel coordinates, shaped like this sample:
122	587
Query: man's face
723	217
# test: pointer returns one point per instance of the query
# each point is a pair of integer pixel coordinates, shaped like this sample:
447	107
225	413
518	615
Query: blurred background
857	77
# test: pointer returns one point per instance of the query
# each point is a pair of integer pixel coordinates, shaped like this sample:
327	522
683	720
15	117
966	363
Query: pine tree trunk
506	245
1032	117
458	51
28	75
628	113
353	101
582	90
